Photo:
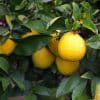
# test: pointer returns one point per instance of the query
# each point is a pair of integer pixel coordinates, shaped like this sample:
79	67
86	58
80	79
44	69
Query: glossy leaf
8	20
88	23
37	25
31	44
79	89
18	80
76	11
4	64
52	22
5	82
65	8
41	90
67	85
94	42
76	25
87	9
87	75
68	25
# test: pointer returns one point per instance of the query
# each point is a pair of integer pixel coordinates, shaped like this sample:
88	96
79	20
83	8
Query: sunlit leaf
88	23
76	11
52	21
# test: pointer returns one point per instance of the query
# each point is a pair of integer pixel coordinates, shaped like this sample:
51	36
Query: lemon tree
49	49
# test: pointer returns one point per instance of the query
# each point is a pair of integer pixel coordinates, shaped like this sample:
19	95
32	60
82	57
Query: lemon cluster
66	53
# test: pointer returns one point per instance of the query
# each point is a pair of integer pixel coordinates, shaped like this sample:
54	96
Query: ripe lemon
32	33
7	47
43	58
97	94
53	44
71	47
66	67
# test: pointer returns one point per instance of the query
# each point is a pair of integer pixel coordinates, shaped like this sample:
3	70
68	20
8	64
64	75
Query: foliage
17	74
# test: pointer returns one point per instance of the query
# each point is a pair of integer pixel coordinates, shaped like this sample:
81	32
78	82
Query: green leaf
41	90
76	12
94	42
18	80
37	25
29	45
83	96
5	82
52	21
94	82
21	5
87	75
88	23
76	25
29	96
87	9
8	21
79	89
65	8
3	10
68	24
67	85
4	64
3	31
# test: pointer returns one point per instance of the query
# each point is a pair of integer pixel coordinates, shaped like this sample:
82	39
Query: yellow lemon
43	58
32	33
53	45
97	94
7	47
66	67
71	47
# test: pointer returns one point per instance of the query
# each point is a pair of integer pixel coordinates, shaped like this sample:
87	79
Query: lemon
66	67
43	58
97	94
71	47
32	33
53	44
7	47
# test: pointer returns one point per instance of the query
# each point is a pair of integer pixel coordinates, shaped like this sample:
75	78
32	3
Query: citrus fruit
66	67
7	47
71	47
97	93
32	33
43	58
53	44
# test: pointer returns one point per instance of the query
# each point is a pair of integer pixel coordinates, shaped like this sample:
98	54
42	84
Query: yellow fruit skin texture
97	94
7	47
53	46
66	67
34	32
43	58
71	47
